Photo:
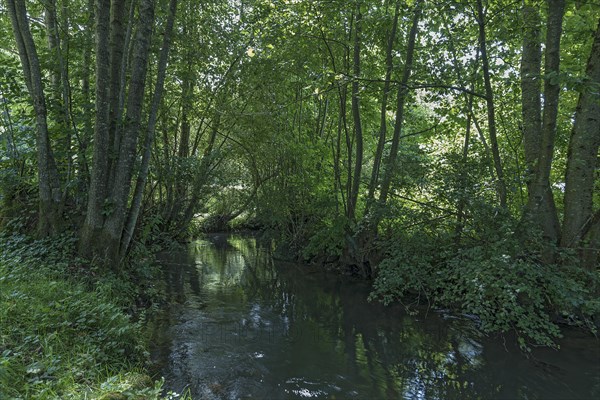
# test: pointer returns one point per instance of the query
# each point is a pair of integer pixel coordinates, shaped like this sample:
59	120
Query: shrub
505	289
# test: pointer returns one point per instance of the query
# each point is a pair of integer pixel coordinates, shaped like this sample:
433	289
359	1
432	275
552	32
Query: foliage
61	337
329	239
260	119
505	289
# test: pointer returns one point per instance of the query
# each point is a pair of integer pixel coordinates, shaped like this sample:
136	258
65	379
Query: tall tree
541	208
358	128
390	166
531	87
580	222
134	211
491	109
49	190
103	228
384	103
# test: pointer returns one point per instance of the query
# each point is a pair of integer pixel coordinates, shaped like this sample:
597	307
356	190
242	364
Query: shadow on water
241	325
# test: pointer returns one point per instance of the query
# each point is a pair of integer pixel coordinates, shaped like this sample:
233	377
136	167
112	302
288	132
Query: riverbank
66	328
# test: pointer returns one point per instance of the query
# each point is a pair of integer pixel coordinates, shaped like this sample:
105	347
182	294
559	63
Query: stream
241	325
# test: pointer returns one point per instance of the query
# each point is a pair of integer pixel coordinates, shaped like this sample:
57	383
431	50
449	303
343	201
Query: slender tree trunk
59	47
52	37
134	211
463	177
390	167
202	176
86	134
353	198
183	146
337	166
531	89
384	104
91	243
49	220
541	209
486	147
118	61
462	200
489	94
582	161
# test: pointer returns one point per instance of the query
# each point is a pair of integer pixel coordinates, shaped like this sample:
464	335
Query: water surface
241	325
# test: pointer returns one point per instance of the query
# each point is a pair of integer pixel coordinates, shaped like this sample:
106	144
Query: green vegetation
66	338
447	150
502	289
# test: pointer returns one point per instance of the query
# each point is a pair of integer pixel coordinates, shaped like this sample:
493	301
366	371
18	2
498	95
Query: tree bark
390	167
384	103
358	133
186	217
91	244
61	90
49	219
134	210
541	209
115	222
582	159
86	134
489	94
531	89
119	46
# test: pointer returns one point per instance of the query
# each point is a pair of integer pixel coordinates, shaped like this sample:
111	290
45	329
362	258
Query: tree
390	166
541	208
491	113
114	140
580	225
49	190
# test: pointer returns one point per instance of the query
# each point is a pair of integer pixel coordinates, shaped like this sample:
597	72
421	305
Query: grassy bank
64	329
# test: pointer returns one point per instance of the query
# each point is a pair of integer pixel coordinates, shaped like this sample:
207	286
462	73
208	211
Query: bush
505	289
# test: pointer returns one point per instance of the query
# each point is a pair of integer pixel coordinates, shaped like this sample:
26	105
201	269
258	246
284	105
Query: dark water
244	326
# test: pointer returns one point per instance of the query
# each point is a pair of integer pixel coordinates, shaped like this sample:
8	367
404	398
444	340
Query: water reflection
243	326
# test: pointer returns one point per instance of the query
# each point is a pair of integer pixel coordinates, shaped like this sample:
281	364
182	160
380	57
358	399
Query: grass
64	333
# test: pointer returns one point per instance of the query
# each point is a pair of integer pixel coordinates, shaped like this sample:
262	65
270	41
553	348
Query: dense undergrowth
67	328
502	288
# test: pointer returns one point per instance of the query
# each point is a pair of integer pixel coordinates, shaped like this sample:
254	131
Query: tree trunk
86	134
186	217
489	94
541	209
156	100
49	219
463	177
91	244
390	167
353	197
115	221
61	90
384	103
531	88
118	65
134	211
582	159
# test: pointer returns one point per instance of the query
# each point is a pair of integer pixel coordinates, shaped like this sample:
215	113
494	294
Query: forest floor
67	330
